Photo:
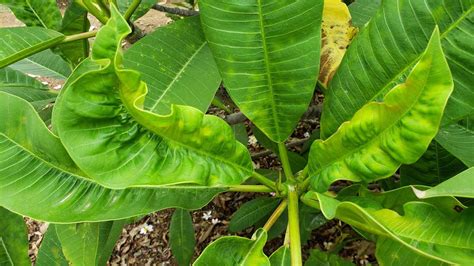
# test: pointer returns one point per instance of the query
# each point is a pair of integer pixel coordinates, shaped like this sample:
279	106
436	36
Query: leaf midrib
175	79
267	67
405	69
375	138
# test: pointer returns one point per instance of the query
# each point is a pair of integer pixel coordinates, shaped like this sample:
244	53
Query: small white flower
272	194
307	135
215	221
252	140
327	245
146	228
207	215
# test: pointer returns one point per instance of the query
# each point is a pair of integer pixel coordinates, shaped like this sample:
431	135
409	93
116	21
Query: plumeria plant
128	133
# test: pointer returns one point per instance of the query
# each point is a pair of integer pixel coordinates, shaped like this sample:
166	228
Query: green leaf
50	252
318	257
363	10
142	9
177	65
390	252
267	53
115	141
234	250
75	21
19	43
435	166
388	47
252	212
44	64
42	13
382	136
240	133
458	139
43	173
457	186
432	229
13	239
310	219
23	86
181	236
281	257
89	243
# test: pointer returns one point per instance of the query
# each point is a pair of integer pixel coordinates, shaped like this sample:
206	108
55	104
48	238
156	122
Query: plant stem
264	181
286	241
80	36
221	105
131	9
294	224
250	188
275	215
284	161
96	12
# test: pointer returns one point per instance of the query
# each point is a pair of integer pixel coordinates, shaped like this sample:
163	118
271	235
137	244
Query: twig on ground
290	144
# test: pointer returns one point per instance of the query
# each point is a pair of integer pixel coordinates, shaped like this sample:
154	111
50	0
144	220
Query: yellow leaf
337	33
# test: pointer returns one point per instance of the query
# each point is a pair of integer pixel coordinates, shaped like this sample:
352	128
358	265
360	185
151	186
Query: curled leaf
101	120
382	136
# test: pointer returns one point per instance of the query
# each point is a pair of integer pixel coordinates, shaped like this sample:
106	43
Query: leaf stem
294	225
285	161
275	215
131	9
99	14
250	188
264	181
80	36
218	103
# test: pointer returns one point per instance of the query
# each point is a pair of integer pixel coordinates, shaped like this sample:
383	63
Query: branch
288	145
176	10
237	118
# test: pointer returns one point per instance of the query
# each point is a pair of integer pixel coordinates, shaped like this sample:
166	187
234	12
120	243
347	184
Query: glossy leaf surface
42	174
13	239
318	257
44	64
50	252
177	65
363	10
434	167
87	244
142	9
458	139
75	21
390	252
267	54
115	141
388	47
431	229
337	33
235	250
26	87
252	212
460	185
41	13
18	43
281	257
382	136
181	236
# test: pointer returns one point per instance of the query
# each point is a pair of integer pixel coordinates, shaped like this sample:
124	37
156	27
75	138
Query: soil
152	248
